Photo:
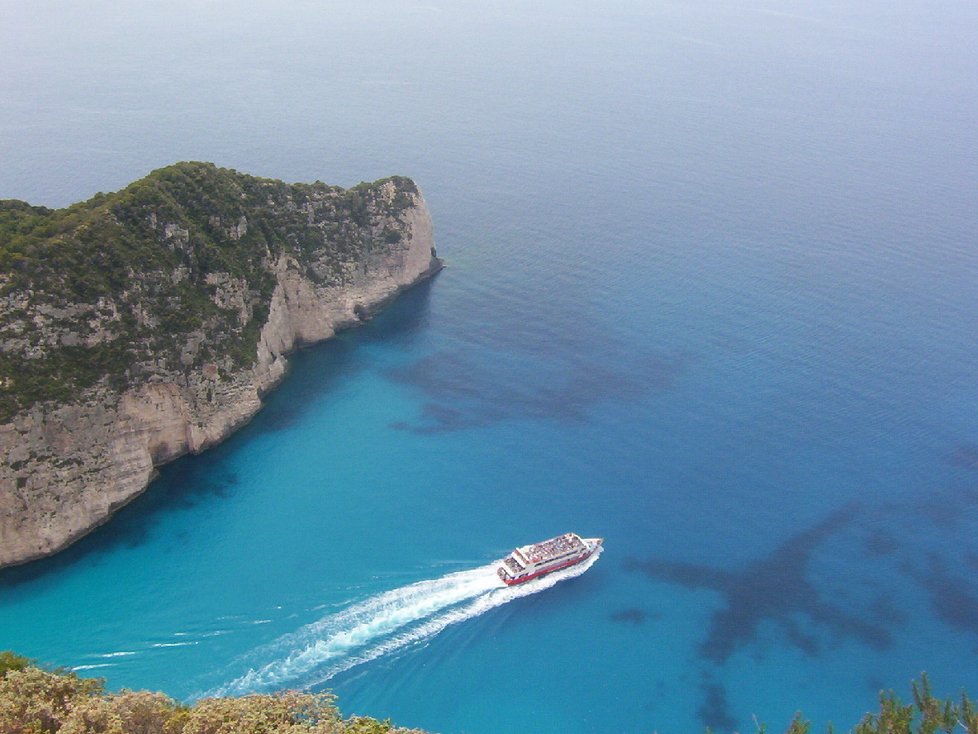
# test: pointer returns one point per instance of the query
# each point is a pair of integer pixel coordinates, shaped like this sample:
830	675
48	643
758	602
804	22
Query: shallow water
711	294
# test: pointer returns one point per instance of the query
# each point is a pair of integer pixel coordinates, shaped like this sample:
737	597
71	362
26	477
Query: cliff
145	324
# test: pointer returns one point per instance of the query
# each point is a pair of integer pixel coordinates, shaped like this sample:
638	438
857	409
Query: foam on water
381	625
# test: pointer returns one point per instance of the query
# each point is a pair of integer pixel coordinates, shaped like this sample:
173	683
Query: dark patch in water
774	588
469	388
804	641
941	513
971	558
965	455
713	710
879	543
633	615
953	601
885	610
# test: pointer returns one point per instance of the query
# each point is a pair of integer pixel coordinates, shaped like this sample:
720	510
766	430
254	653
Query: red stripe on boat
524	579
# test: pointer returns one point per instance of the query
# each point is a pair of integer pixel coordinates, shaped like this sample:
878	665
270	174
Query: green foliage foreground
37	701
926	715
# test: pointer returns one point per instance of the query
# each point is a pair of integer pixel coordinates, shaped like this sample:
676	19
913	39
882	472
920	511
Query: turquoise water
712	294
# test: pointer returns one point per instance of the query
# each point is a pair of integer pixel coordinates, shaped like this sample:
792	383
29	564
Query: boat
532	561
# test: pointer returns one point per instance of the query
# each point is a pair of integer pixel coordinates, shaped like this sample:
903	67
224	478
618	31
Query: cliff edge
145	324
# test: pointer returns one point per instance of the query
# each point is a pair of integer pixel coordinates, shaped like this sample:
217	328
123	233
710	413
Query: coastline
69	467
437	266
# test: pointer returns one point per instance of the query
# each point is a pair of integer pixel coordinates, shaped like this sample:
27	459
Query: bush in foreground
926	715
36	701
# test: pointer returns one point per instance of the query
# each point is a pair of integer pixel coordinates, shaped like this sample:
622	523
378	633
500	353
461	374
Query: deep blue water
712	294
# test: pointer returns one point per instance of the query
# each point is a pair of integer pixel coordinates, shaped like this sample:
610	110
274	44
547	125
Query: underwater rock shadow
964	455
633	615
463	392
514	357
952	599
880	543
713	711
773	588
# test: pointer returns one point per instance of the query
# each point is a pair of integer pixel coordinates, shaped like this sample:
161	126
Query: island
145	324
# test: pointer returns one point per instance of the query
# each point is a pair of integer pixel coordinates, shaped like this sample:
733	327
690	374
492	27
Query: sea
711	294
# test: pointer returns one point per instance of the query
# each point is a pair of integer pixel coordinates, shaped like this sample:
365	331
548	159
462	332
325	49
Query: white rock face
66	468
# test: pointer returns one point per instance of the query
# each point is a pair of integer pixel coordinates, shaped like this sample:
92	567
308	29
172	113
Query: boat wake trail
381	625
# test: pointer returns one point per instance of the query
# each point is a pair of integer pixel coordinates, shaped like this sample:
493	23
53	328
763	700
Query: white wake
381	625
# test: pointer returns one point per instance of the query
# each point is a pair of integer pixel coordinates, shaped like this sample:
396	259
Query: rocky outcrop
68	465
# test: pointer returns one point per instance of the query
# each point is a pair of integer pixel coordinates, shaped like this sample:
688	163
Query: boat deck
553	548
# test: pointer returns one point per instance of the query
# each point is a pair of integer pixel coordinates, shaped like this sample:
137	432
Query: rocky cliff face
197	334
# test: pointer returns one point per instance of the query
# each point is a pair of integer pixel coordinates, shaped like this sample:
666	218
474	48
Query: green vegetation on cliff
172	272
